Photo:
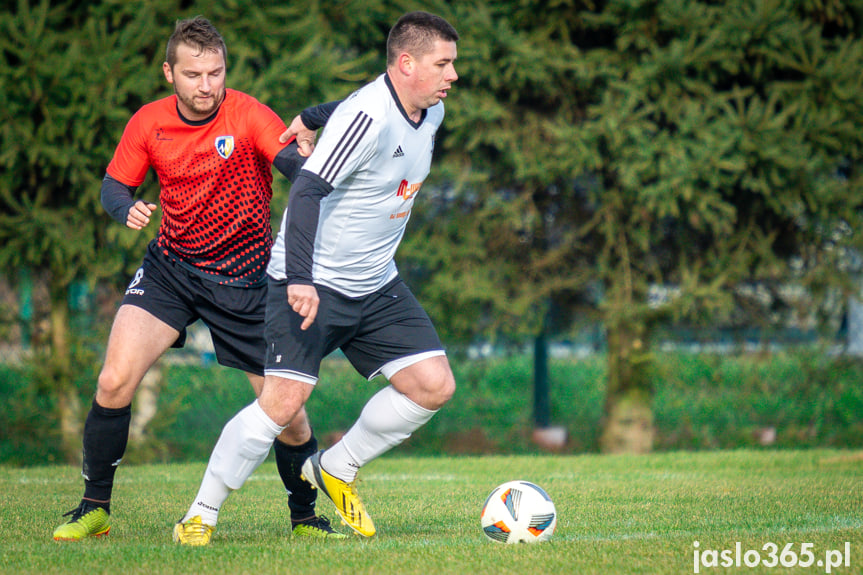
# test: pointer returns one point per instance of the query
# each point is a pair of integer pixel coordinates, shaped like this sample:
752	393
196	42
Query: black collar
399	104
206	120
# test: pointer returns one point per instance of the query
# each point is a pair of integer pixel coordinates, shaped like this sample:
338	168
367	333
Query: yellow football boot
343	495
193	532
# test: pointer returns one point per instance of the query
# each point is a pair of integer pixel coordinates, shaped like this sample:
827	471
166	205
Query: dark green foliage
592	149
701	402
616	145
707	402
30	433
599	149
71	75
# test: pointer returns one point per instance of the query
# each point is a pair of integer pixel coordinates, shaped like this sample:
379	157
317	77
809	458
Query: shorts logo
139	275
225	146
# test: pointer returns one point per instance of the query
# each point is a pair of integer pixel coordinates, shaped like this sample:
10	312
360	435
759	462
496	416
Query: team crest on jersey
225	146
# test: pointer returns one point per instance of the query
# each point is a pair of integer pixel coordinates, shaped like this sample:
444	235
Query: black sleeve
316	117
117	198
289	161
304	207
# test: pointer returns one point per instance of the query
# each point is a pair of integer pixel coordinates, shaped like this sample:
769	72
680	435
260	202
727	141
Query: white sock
211	495
387	419
243	445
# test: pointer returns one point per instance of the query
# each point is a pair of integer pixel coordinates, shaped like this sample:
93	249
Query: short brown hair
415	33
198	33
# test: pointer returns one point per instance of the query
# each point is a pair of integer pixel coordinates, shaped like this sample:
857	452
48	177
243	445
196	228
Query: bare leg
137	340
299	430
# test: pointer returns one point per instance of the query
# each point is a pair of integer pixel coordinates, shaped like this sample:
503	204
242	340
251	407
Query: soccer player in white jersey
334	283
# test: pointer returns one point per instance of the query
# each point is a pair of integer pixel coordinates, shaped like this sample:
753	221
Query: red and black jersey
216	182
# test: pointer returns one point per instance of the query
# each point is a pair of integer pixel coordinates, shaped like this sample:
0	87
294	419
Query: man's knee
283	399
430	383
445	388
298	431
115	387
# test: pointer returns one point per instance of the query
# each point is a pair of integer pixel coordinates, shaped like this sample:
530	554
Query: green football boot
87	521
317	527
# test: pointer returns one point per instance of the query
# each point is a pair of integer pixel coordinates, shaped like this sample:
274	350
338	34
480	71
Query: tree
69	72
73	74
592	151
604	148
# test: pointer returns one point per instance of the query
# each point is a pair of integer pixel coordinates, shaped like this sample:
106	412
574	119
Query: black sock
106	432
289	460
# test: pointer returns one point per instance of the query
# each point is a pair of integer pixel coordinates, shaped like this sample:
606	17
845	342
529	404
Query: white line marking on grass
411	477
374	477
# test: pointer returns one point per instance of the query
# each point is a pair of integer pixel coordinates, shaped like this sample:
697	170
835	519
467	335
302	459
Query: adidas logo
398	153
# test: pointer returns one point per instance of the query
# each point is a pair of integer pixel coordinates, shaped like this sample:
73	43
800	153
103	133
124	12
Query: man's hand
139	215
305	137
304	300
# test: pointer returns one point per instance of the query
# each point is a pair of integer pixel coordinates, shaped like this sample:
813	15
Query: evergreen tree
70	71
603	148
292	55
73	73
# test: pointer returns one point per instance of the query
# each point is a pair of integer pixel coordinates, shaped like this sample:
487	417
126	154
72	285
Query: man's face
199	81
434	74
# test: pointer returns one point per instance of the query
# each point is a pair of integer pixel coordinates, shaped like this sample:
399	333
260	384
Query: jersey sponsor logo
225	146
406	191
160	135
398	153
400	215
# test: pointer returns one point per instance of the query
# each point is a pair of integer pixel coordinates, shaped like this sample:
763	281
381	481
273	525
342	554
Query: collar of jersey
399	104
206	120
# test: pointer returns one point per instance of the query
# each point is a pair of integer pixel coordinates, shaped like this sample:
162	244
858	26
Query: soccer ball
518	512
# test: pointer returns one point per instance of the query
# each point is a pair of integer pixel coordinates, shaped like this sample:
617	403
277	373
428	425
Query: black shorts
179	297
372	330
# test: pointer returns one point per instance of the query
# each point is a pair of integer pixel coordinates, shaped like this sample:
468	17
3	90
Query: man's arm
306	124
118	201
304	208
289	161
315	117
301	227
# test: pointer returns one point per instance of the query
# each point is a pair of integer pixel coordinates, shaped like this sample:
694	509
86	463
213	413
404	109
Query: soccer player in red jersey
212	149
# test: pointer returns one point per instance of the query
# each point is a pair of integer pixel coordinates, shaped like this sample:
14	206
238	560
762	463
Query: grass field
617	514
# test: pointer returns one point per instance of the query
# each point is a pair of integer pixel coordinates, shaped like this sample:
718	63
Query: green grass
618	514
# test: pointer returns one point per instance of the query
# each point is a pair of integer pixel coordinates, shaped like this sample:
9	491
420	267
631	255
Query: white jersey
375	159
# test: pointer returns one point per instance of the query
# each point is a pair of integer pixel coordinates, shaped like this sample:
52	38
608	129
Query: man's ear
406	64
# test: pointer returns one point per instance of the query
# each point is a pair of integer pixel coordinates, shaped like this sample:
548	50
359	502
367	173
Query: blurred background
641	231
